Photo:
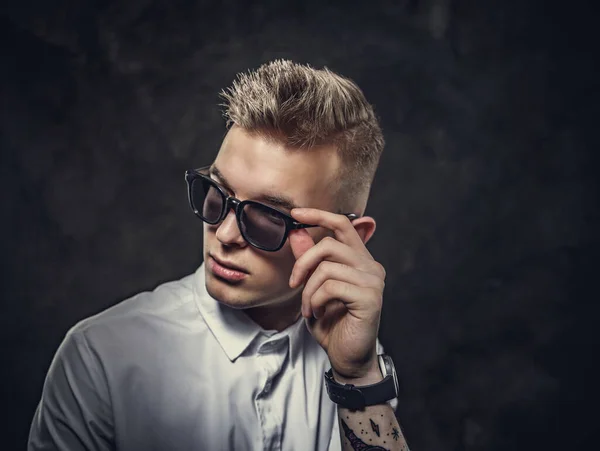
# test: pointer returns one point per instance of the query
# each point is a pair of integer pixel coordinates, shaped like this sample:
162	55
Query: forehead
254	165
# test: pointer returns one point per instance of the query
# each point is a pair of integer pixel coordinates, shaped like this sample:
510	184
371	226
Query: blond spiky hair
304	107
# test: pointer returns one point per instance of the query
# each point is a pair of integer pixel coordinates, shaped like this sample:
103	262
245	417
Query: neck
276	317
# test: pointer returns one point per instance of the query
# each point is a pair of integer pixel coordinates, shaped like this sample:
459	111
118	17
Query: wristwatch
356	398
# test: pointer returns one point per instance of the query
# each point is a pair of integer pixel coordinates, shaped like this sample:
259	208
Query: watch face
388	368
395	376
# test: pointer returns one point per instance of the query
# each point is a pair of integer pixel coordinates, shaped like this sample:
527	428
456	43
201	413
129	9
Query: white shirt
173	369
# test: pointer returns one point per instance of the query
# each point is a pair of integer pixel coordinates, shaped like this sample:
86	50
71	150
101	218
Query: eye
274	216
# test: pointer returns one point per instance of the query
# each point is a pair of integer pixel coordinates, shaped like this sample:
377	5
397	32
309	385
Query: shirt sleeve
335	443
74	412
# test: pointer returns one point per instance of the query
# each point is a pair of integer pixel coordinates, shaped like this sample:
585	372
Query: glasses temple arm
299	225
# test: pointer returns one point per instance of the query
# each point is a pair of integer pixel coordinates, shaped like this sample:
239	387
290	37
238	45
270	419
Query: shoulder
146	313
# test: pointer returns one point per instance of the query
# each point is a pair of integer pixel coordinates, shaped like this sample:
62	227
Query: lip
228	265
224	271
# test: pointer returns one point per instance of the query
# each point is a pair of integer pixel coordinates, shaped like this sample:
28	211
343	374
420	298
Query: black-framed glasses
262	226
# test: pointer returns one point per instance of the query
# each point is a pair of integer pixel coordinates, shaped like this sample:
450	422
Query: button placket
271	359
269	369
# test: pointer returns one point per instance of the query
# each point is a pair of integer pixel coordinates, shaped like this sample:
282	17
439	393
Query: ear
365	226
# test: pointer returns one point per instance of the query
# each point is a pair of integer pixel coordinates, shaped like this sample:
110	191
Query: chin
232	294
239	295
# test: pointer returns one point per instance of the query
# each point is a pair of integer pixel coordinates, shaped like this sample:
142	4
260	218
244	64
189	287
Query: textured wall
485	198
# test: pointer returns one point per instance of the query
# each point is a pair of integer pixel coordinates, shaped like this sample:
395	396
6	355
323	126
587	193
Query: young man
256	349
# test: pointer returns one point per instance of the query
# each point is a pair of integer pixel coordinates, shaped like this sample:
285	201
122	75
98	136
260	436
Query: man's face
252	167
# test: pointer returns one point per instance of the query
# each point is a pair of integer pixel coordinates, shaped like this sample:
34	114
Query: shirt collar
234	330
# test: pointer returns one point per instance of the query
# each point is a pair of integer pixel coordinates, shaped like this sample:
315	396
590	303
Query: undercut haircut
303	107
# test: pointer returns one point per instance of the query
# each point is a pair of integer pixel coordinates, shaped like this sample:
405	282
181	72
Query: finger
340	225
333	314
334	311
329	270
300	242
351	295
327	249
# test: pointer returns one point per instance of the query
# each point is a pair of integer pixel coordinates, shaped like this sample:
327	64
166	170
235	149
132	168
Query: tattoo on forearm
395	433
375	427
358	444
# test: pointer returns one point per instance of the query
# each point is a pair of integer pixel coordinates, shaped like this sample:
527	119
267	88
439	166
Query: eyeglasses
262	226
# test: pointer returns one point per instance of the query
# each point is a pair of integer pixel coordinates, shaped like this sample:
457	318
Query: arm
342	302
373	428
74	412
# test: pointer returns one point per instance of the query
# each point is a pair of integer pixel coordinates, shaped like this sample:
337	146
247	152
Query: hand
343	292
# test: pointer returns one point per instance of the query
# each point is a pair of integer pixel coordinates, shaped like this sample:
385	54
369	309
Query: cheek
274	269
209	231
279	263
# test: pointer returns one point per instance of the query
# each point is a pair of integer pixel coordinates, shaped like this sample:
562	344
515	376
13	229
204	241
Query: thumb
300	241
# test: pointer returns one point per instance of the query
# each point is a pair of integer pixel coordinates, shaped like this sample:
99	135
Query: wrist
371	376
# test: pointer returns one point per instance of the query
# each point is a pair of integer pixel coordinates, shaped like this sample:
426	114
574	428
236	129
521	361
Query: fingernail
291	280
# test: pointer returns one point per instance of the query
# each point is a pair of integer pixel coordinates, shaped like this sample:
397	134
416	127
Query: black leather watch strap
356	398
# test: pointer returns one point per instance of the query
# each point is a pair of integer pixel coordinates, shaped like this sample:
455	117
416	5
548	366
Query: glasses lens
207	200
263	226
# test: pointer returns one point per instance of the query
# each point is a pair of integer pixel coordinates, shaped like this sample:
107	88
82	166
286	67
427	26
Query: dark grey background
486	197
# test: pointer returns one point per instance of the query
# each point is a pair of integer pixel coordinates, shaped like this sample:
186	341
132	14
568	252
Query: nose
228	232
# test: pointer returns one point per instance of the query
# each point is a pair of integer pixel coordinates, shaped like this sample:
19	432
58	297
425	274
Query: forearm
372	428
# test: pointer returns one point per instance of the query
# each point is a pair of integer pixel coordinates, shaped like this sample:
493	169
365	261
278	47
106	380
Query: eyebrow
276	200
